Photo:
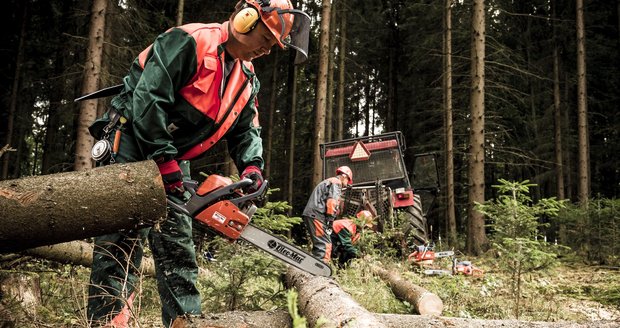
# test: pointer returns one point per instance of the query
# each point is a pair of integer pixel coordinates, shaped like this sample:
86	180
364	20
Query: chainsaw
424	255
458	267
221	205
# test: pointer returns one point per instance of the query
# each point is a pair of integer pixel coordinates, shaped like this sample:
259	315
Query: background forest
386	69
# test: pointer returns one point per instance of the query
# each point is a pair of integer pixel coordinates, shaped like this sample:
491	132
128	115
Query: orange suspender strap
230	109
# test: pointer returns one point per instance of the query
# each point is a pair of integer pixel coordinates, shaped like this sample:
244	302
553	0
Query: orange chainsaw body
212	182
225	218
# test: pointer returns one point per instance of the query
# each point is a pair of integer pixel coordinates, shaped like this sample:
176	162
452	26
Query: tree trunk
14	94
321	94
322	297
475	233
237	319
401	320
79	253
341	72
582	110
21	287
46	210
281	319
292	79
423	301
448	125
272	111
329	101
92	70
557	109
180	10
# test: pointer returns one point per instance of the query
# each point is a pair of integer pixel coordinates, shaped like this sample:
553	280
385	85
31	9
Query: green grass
569	292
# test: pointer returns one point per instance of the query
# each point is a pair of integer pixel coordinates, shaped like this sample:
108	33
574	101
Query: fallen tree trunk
237	319
79	253
281	319
399	320
55	208
423	301
322	297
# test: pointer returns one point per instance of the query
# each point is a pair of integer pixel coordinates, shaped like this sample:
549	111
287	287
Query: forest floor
569	292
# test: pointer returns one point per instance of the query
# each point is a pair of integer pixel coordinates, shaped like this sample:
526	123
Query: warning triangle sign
359	152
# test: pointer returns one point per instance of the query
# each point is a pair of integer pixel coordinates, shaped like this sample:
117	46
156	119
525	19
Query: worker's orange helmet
290	27
346	171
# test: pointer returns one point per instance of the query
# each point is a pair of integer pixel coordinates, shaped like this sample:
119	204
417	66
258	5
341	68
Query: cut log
51	209
321	297
237	319
423	301
399	320
23	288
281	319
79	253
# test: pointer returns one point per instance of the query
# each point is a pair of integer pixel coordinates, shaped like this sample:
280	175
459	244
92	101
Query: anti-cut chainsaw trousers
117	258
115	272
321	240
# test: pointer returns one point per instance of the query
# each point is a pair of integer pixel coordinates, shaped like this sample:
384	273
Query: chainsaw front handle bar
197	203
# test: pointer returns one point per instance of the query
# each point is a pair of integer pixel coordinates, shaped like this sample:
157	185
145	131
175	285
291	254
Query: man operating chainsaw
322	209
193	86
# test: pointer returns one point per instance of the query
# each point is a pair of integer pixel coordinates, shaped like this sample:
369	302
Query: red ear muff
245	20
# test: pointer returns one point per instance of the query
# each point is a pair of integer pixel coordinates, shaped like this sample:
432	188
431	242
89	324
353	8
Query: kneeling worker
345	234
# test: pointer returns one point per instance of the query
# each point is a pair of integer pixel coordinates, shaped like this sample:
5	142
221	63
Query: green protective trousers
117	258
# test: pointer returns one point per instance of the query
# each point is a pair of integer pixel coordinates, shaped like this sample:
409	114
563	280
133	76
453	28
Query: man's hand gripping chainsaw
221	205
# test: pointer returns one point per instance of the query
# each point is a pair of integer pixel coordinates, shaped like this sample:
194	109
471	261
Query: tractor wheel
415	226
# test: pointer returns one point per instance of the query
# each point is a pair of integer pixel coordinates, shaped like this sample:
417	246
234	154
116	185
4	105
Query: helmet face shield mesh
299	34
291	27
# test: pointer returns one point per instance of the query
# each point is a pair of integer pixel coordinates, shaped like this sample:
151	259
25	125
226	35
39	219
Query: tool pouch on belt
101	130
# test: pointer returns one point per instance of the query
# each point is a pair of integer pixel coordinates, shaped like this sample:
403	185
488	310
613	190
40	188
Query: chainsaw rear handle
197	203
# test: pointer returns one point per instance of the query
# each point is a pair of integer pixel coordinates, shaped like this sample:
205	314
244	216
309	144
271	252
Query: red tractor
382	184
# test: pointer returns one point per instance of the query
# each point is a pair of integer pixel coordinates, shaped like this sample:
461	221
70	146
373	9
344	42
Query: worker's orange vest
203	90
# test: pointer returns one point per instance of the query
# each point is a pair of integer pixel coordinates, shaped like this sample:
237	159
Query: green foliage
594	233
291	303
516	222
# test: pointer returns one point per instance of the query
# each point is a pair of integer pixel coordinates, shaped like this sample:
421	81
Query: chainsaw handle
197	203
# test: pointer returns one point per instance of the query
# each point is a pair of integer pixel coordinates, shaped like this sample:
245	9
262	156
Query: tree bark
92	71
322	297
448	125
237	319
180	11
341	72
476	237
79	252
273	97
321	94
45	210
14	93
582	110
292	85
557	109
400	320
423	301
329	101
281	319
